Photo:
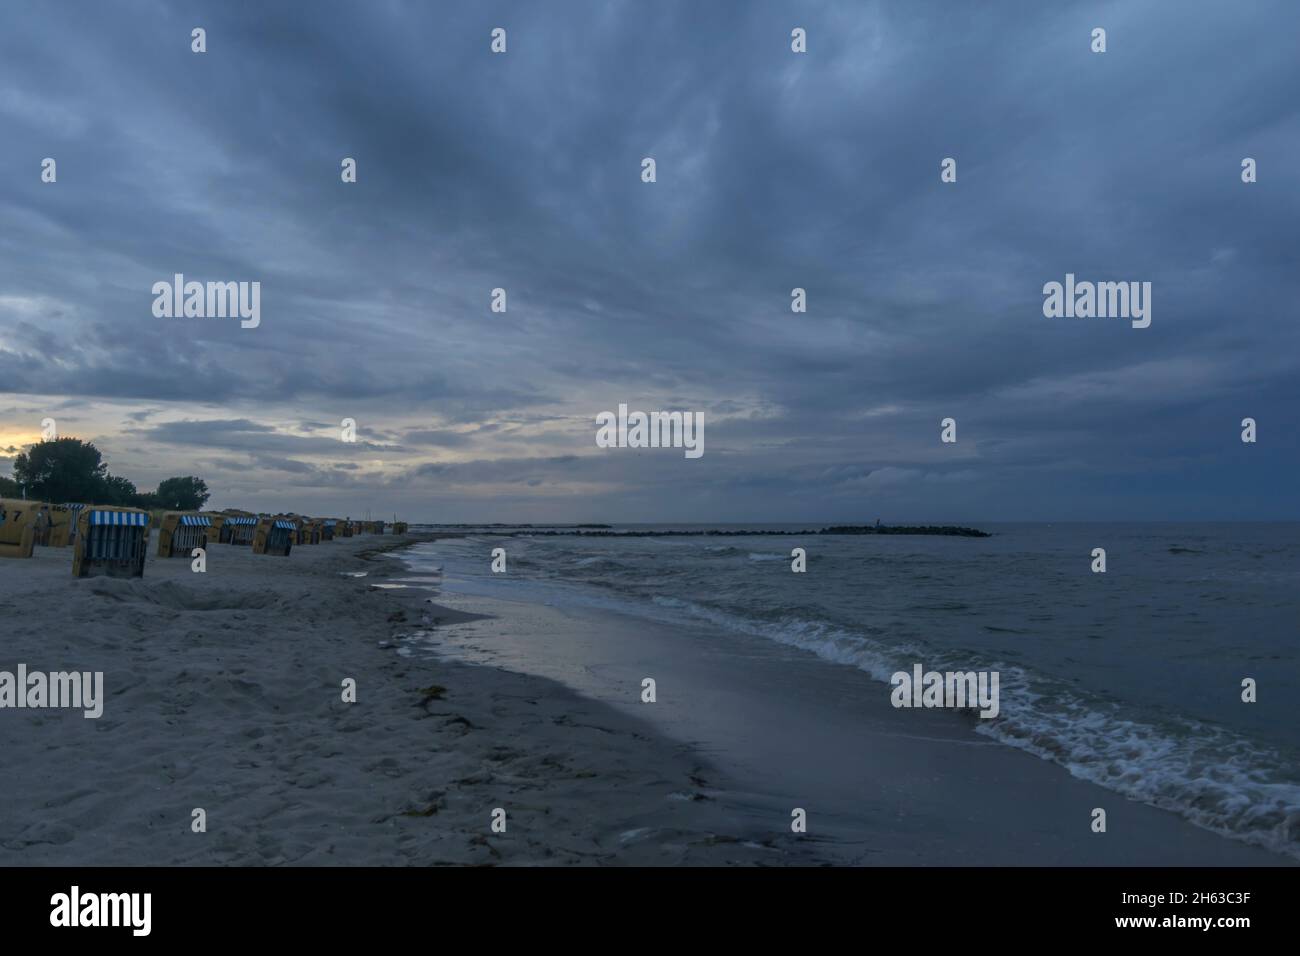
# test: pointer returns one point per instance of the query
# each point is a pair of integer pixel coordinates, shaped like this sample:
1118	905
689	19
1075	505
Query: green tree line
69	469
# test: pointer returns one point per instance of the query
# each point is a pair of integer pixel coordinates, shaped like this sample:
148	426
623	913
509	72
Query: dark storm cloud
775	171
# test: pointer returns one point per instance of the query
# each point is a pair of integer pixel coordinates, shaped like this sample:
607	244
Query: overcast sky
775	170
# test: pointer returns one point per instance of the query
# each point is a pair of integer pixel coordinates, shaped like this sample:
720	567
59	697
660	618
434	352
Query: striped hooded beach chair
239	529
180	533
111	542
275	535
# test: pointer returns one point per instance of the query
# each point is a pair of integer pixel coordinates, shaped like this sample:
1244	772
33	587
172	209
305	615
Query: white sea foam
1212	777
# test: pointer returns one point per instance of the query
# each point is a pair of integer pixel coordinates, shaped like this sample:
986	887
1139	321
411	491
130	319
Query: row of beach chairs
112	541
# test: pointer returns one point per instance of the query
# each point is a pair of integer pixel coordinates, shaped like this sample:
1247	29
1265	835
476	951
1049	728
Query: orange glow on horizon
18	440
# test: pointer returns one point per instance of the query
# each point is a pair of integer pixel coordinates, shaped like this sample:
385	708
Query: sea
1132	679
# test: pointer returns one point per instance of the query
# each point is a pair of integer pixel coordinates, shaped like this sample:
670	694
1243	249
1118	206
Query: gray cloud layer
775	170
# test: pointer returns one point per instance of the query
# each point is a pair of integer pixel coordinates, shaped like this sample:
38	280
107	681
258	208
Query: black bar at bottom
332	906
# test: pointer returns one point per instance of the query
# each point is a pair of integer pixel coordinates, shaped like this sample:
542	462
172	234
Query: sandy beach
223	692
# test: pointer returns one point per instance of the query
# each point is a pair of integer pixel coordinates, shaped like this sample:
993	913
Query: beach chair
110	541
309	531
180	532
18	527
399	527
327	529
239	529
63	524
275	536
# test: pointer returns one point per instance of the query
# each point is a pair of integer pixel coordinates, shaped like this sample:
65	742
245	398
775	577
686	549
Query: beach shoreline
223	694
787	729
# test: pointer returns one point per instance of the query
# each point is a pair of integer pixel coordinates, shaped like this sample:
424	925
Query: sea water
1131	679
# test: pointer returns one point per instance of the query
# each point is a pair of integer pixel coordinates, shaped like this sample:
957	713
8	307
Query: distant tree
115	490
68	469
183	494
65	469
